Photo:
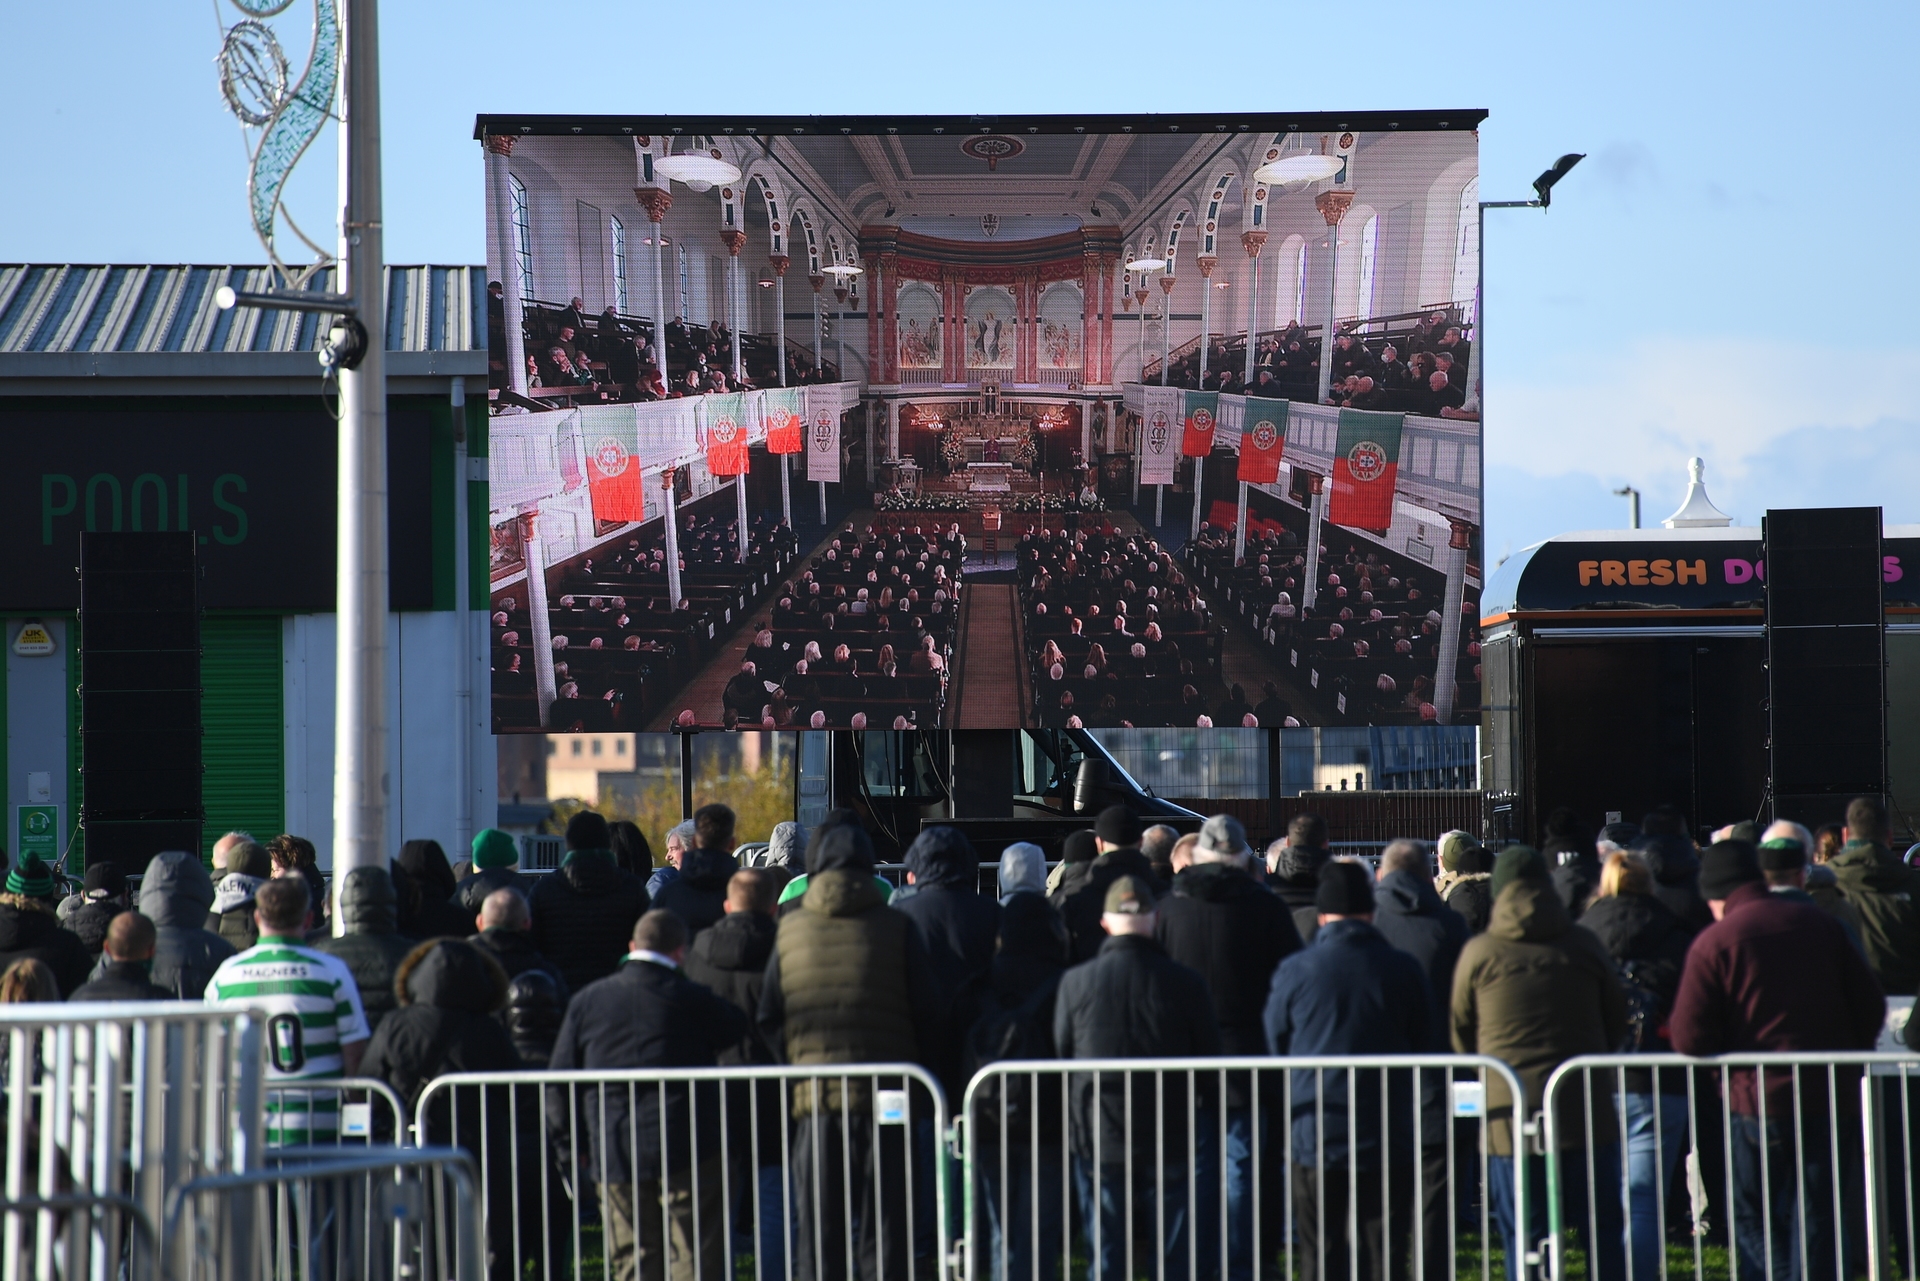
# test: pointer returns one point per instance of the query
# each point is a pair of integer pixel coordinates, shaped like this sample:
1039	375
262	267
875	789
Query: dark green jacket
1534	991
1886	894
850	981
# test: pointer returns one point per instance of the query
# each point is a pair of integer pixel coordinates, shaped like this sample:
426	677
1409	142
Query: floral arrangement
893	502
1055	503
1025	450
953	449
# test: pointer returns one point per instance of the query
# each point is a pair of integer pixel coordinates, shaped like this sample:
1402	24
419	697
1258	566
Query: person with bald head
127	958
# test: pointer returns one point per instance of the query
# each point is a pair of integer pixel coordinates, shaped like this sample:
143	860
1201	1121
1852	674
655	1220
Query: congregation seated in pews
1116	634
1368	650
864	637
621	644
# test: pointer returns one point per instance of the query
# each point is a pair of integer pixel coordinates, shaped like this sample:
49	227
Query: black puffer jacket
1649	944
89	921
1223	925
1296	879
583	915
1676	878
122	981
445	994
1408	913
958	922
471	893
30	931
698	895
372	946
731	958
536	992
426	893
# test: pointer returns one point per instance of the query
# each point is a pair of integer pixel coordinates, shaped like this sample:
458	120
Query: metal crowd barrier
315	1214
1369	1166
107	1107
821	1173
370	1113
1798	1167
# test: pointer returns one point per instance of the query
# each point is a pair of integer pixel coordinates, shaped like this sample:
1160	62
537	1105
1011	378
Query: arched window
1369	248
522	235
619	230
1466	252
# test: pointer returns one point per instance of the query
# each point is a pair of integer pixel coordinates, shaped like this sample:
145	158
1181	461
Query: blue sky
1728	275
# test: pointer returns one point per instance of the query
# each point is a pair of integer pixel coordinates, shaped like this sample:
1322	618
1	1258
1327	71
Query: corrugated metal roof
64	308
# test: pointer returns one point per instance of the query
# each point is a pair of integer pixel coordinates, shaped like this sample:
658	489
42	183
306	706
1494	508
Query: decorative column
819	325
673	539
740	508
499	147
534	549
1316	511
1090	320
780	263
1251	241
1206	263
876	370
656	201
889	297
735	241
1447	671
1108	265
840	326
1333	205
953	339
1240	529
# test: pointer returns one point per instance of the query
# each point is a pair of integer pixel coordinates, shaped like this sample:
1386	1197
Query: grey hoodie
175	894
1023	869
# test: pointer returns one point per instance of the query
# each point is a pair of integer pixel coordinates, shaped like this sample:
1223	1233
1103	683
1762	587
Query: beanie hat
1782	854
104	879
1078	847
31	879
249	858
494	848
1517	863
1223	835
1117	826
588	831
1458	851
1129	896
1346	889
1725	867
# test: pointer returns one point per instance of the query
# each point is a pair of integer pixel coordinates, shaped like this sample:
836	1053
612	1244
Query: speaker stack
139	697
1826	661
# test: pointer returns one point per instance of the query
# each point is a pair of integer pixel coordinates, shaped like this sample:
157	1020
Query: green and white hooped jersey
311	1006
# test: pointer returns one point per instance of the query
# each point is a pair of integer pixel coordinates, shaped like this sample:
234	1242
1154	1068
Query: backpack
1646	1008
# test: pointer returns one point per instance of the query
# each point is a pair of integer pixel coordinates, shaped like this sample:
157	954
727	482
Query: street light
1632	496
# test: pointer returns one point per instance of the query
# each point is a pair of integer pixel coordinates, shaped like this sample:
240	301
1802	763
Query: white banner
823	434
1160	429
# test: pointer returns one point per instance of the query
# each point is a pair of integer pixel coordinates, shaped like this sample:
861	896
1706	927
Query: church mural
919	321
1060	326
990	328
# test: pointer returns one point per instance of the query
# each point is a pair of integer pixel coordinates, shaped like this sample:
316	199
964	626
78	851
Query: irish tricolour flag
1366	461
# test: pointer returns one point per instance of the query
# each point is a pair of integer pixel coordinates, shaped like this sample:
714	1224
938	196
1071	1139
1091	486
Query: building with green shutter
129	401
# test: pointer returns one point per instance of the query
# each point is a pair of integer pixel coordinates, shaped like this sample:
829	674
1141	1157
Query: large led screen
983	423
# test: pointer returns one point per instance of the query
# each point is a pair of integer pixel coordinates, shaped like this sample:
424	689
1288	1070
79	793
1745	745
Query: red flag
1366	464
1202	408
1262	441
614	482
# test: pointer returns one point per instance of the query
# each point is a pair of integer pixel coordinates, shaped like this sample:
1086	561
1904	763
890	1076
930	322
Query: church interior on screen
918	423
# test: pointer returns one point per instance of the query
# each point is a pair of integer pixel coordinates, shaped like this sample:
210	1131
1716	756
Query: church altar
990	478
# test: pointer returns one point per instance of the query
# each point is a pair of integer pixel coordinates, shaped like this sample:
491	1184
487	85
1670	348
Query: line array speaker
1826	660
140	756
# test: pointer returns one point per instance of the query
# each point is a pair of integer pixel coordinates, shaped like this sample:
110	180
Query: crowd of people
1368	650
1116	634
621	644
1425	370
1139	944
864	637
608	357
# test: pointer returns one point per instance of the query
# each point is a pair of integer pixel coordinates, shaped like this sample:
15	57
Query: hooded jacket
787	847
231	916
30	930
1534	991
698	896
1296	879
1224	926
730	957
644	1015
583	915
1409	915
1675	865
175	894
372	946
1773	974
1886	894
1351	992
1023	870
958	922
850	980
426	893
1008	1014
